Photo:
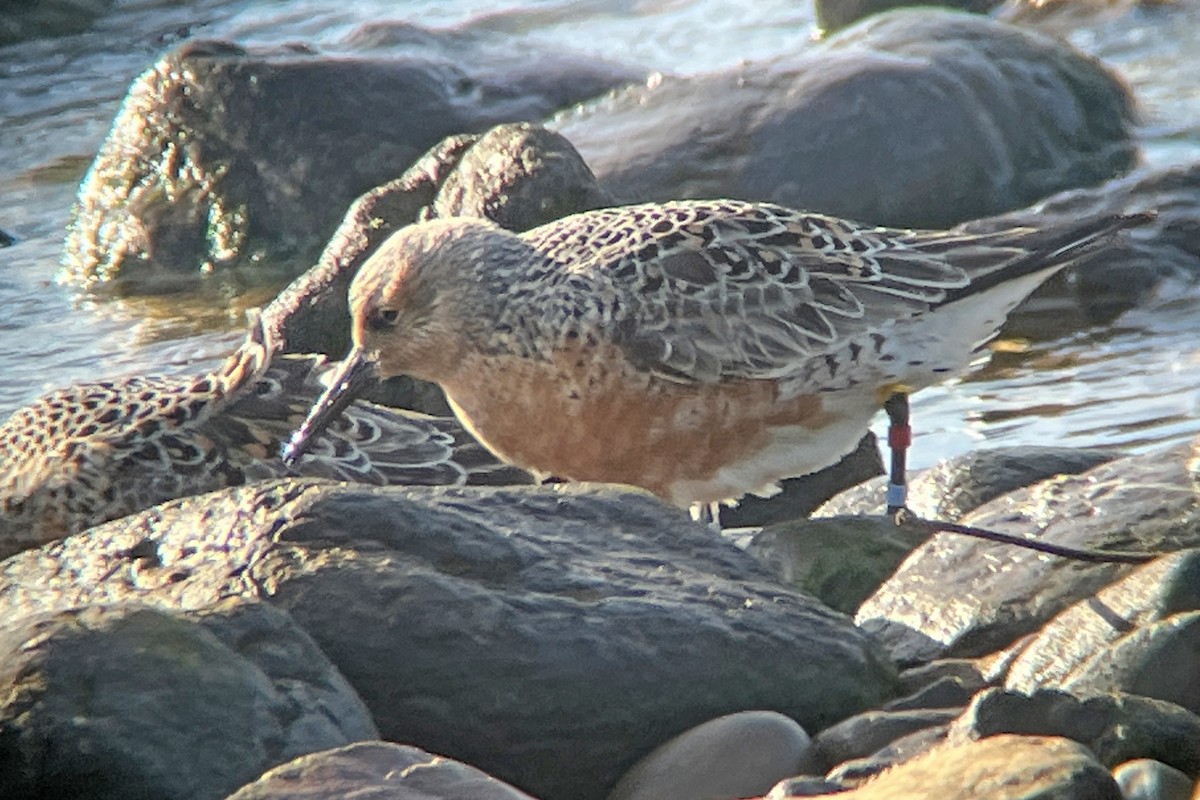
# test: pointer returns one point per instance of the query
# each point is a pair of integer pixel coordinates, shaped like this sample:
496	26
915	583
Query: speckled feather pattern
705	291
753	339
94	452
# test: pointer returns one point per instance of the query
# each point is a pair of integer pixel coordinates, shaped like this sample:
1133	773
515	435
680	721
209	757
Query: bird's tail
1032	251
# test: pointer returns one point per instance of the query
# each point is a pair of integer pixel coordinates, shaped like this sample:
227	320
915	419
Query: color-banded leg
899	440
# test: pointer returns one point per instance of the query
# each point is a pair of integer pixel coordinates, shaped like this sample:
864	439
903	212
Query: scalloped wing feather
719	289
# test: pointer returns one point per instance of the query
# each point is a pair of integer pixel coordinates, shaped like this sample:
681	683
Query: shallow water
1129	384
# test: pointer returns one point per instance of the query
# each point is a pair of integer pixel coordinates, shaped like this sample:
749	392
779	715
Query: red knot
701	350
93	452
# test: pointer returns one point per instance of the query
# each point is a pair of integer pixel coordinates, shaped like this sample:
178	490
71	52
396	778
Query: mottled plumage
94	452
701	350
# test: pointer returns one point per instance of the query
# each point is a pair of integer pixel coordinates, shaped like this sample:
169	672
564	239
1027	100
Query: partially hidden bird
97	451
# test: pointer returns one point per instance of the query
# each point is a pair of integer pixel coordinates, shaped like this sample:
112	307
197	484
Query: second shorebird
700	350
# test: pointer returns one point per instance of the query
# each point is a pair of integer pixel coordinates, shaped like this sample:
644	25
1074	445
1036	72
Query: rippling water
1130	384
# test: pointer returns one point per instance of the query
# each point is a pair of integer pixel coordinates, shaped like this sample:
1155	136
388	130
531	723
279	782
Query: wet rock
865	733
956	486
1137	635
739	755
7	239
518	175
833	15
1158	660
222	157
512	629
841	560
959	670
1147	779
918	118
948	691
962	597
901	729
376	769
1011	767
844	559
121	701
1116	727
44	19
803	786
897	751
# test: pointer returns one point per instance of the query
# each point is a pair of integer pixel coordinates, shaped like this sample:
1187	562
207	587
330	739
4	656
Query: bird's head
414	306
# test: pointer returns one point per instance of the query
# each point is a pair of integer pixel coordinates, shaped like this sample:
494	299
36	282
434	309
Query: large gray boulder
515	630
124	700
377	770
222	157
956	596
916	117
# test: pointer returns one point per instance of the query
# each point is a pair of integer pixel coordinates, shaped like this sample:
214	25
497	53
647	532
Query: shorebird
701	350
93	452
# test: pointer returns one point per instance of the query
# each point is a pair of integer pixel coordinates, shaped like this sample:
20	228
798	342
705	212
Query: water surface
1129	384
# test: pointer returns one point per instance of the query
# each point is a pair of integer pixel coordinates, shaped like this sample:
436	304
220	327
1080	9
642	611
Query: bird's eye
384	318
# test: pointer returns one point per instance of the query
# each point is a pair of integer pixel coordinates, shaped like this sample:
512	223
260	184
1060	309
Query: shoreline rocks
918	117
511	629
554	638
220	156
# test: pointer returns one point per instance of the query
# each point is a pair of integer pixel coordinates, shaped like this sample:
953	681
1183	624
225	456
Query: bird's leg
899	439
708	513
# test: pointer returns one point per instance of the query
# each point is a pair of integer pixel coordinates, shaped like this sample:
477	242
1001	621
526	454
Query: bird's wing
697	292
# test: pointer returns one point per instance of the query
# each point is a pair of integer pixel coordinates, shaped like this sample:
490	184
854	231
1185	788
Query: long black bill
356	371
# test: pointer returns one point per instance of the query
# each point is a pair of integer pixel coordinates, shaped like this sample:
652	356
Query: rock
956	486
519	176
948	691
833	15
7	239
1137	635
1116	727
127	701
897	751
1005	767
800	496
738	755
222	157
803	786
376	769
1147	779
1158	660
960	670
515	630
842	560
869	743
962	597
863	734
43	19
916	117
